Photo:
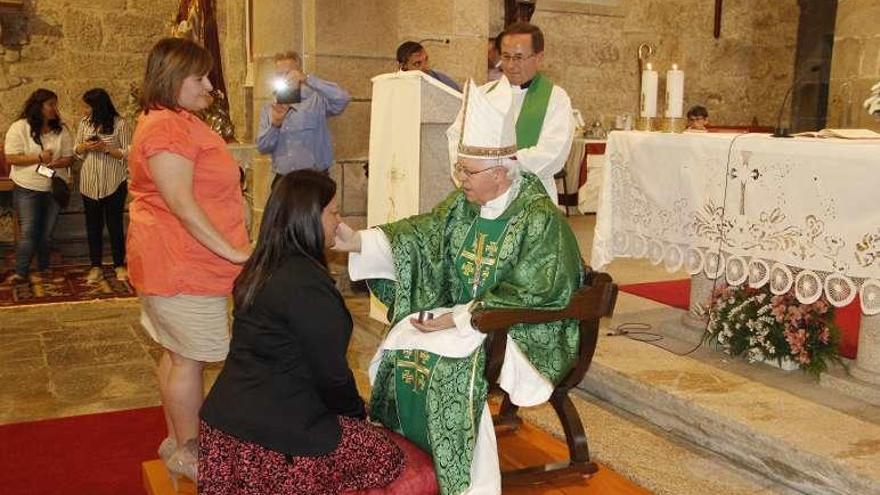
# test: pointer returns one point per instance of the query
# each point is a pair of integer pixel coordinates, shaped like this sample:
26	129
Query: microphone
783	132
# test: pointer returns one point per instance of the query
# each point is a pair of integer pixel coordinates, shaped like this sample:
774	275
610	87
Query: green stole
415	372
533	110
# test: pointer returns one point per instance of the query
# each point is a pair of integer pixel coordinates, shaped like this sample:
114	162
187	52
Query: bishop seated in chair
496	242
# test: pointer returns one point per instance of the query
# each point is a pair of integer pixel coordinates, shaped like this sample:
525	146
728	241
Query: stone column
277	27
867	365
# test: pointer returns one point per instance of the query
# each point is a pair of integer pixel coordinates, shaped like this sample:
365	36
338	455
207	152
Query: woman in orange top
186	239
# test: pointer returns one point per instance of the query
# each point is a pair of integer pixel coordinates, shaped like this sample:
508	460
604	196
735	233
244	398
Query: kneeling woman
284	415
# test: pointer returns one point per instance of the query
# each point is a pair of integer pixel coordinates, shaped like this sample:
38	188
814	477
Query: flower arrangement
766	327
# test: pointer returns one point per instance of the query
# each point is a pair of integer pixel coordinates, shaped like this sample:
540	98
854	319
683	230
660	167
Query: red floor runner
95	454
676	293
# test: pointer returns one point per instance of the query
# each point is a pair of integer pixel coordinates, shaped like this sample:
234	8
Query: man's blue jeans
37	213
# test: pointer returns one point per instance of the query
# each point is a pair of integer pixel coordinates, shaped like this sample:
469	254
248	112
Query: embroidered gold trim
488	152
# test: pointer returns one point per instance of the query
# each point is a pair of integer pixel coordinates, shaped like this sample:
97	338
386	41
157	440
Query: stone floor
69	359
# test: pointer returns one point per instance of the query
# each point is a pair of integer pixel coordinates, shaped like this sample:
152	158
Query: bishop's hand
347	239
442	322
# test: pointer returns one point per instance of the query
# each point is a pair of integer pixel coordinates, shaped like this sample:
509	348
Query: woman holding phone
102	142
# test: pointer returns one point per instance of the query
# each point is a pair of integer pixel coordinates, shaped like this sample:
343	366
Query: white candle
649	92
674	92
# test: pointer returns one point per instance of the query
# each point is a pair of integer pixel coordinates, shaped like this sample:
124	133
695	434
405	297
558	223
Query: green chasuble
526	258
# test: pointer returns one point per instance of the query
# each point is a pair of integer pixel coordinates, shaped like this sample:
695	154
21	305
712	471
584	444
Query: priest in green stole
542	110
497	242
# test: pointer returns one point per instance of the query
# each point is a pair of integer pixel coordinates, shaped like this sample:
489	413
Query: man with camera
293	128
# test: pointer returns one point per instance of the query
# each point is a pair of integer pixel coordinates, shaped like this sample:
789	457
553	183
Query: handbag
60	191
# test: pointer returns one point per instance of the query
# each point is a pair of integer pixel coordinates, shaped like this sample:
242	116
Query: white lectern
409	155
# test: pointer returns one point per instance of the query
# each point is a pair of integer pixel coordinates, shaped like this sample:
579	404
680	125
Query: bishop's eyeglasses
464	173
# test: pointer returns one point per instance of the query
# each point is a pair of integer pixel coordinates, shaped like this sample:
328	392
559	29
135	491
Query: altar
748	208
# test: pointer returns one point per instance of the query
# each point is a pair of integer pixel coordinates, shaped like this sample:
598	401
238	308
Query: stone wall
855	66
351	52
70	47
591	52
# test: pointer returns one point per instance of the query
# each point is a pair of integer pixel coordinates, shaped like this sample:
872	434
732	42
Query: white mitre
487	127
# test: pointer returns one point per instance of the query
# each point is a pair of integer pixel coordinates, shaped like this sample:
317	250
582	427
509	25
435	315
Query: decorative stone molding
608	8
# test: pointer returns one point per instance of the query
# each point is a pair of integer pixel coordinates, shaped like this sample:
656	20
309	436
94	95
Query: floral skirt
365	458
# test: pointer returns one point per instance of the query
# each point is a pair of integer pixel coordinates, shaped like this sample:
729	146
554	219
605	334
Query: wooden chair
590	303
562	197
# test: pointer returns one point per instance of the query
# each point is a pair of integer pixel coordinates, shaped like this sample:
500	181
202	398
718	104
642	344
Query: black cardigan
286	377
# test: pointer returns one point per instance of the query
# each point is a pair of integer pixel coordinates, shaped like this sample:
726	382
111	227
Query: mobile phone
45	171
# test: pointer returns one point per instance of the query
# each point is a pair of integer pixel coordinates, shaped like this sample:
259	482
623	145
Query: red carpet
676	293
96	454
64	284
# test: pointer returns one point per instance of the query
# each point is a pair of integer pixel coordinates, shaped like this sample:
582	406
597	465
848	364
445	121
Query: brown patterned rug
64	284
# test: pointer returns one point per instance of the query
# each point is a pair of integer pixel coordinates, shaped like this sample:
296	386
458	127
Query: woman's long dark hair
291	225
33	114
104	114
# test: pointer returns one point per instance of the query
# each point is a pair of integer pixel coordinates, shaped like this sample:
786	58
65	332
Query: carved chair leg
578	449
507	418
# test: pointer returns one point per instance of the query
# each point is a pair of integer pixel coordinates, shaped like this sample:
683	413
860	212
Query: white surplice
525	385
547	157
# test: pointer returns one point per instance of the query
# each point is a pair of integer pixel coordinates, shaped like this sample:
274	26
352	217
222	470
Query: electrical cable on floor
640	332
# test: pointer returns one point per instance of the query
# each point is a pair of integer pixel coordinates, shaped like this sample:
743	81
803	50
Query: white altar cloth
799	213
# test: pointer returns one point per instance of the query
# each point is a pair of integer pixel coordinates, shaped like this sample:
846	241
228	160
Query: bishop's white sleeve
549	155
375	259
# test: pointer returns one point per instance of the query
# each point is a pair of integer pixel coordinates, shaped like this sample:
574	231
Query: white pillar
867	365
697	316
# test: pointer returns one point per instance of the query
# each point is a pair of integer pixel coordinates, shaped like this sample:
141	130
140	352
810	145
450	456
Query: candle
674	92
649	92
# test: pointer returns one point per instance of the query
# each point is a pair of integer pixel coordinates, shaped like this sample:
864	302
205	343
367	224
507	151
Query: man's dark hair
526	28
496	42
407	49
698	111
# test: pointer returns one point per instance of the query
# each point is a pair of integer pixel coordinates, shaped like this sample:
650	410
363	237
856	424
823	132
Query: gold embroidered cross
415	372
483	258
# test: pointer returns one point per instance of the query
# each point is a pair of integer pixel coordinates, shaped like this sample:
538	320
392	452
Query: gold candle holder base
674	125
646	124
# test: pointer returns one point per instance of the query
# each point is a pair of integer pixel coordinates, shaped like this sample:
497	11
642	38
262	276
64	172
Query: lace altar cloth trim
809	285
748	209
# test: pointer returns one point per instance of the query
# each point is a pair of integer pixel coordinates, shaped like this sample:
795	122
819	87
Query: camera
285	94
